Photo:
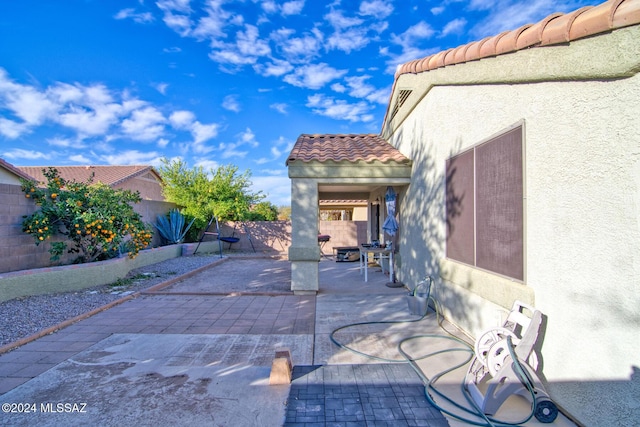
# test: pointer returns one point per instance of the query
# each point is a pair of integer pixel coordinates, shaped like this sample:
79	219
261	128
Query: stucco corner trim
497	289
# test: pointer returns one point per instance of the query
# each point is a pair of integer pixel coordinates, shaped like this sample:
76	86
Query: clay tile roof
350	148
556	28
110	175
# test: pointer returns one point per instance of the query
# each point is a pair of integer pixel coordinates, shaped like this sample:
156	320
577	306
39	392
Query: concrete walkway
187	354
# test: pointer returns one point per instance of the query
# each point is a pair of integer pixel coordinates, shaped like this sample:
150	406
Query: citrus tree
95	219
223	192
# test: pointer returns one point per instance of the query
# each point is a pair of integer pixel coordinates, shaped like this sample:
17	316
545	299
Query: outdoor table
381	252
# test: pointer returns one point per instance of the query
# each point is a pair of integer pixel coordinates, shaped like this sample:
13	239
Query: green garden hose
429	383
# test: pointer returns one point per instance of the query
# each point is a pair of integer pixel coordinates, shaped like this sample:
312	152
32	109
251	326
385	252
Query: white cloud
414	34
176	15
269	6
437	10
79	158
292	7
339	21
212	25
182	119
276	68
278	148
208	165
131	157
297	49
172	50
181	24
339	109
175	5
162	143
349	40
88	110
338	87
11	129
140	18
203	132
359	88
280	107
161	87
249	42
313	76
19	153
510	15
454	27
246	50
230	102
276	188
144	125
25	102
379	9
247	137
64	143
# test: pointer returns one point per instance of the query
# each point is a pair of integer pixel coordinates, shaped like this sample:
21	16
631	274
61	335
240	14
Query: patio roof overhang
348	163
332	167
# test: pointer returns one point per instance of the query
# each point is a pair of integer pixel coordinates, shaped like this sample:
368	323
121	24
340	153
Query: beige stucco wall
582	212
8	177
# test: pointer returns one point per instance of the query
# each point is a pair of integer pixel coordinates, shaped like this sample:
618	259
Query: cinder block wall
344	233
275	236
18	250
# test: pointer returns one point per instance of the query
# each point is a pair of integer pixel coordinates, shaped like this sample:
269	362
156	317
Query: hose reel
503	362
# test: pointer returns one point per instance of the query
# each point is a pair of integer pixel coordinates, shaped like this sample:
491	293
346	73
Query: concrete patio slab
197	356
170	379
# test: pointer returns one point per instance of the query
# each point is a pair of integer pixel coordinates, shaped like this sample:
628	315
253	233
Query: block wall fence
19	252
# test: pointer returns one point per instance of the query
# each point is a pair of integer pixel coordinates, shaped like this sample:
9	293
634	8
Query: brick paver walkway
359	395
161	314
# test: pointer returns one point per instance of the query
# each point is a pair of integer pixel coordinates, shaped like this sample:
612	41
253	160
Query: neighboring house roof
555	29
110	175
350	148
13	169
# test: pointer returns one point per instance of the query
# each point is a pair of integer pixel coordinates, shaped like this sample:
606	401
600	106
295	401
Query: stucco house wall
581	204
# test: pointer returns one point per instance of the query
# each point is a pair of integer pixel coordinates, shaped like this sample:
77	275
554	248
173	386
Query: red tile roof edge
556	28
364	147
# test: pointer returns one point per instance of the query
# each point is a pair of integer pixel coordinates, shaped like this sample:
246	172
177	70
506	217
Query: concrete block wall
18	250
275	236
344	233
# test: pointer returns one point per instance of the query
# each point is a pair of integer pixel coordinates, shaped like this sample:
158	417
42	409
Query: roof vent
402	97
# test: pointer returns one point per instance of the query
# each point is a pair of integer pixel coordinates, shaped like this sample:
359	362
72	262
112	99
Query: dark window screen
499	222
460	208
484	204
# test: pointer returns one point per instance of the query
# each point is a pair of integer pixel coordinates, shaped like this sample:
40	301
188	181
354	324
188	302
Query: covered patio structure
335	166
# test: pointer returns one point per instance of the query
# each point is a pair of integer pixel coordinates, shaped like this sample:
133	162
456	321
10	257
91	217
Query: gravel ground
22	317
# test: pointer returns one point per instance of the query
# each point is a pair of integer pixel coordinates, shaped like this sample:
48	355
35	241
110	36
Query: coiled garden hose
429	383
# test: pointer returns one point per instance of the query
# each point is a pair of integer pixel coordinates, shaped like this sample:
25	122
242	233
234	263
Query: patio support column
304	252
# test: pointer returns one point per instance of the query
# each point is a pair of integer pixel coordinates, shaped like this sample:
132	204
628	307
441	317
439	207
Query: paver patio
184	356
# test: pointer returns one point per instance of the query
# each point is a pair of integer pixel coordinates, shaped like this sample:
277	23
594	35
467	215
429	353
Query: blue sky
216	82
